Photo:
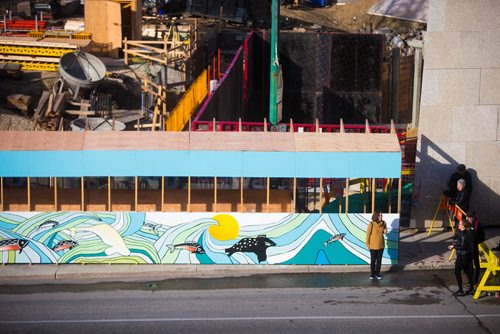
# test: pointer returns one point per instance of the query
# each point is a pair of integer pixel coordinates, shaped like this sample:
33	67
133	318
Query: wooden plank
42	103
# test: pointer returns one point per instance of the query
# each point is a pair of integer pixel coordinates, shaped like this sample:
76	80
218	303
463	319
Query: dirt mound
349	17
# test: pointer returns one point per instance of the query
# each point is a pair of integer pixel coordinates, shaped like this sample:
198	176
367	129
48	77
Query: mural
190	238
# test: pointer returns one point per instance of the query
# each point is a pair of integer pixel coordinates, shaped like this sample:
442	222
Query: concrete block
469	15
483	157
436	16
489	91
478	49
450	87
434	125
434	44
485	199
448	155
447	50
474	123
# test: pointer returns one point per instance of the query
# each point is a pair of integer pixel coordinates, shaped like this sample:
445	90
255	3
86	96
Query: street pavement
417	251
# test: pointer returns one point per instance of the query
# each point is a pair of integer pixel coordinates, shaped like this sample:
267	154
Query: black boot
460	292
471	290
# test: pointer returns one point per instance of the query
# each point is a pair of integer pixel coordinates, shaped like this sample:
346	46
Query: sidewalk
417	252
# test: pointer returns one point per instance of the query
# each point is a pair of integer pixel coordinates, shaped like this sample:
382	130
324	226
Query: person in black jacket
461	173
478	237
463	245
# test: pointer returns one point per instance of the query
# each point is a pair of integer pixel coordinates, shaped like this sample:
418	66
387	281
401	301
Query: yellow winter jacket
375	235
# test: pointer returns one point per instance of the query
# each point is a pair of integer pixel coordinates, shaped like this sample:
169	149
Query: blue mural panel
190	238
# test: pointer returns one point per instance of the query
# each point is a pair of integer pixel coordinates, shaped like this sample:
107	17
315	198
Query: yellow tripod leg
435	215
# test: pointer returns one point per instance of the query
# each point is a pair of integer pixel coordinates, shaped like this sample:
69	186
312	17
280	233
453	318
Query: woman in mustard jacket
375	243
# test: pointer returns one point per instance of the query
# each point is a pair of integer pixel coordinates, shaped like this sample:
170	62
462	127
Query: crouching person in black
463	245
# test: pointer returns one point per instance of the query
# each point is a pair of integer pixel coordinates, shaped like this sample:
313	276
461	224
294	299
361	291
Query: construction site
226	113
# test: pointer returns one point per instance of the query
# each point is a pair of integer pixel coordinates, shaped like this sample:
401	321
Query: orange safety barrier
189	103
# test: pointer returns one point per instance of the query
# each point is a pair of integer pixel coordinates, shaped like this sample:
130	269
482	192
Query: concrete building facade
459	115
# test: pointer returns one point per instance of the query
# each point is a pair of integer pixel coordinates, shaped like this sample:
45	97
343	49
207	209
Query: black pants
376	261
477	265
463	262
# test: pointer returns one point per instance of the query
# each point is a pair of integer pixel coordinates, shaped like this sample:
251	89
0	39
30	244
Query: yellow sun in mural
226	229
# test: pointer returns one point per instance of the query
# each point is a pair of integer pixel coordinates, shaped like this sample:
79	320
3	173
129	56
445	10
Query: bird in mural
192	247
334	238
13	245
65	244
257	245
47	225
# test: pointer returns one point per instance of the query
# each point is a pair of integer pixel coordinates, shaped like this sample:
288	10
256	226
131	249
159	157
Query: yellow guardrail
492	265
189	103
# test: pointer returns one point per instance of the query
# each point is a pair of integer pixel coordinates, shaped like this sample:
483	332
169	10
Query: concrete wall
459	116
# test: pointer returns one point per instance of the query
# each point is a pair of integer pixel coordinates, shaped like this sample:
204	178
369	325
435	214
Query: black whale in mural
253	245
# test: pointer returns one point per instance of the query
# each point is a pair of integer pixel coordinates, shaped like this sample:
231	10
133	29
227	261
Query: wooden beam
1	193
189	194
82	185
400	184
389	193
215	193
320	195
109	193
347	195
294	205
136	193
163	193
55	193
373	195
241	194
267	191
29	193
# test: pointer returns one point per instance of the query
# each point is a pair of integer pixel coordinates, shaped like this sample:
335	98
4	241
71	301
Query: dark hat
471	213
461	168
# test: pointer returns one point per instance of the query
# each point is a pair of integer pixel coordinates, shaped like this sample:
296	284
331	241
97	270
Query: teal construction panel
162	163
215	163
375	164
268	164
14	164
56	163
322	164
110	163
200	163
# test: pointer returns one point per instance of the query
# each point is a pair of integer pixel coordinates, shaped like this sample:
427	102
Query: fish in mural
13	245
47	225
192	247
65	244
253	245
108	235
334	238
154	228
